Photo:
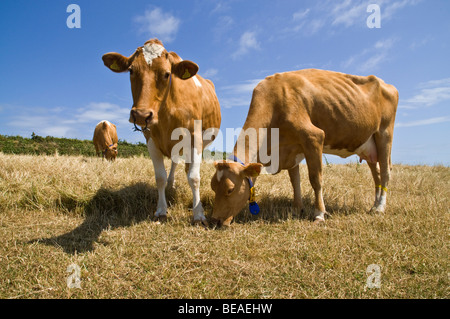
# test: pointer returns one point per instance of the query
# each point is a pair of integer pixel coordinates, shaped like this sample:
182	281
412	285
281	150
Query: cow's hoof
160	219
376	210
319	221
201	222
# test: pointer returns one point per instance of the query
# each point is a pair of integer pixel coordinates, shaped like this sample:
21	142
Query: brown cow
316	112
168	95
105	140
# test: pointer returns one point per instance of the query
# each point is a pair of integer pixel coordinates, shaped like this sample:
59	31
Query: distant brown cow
105	140
315	112
168	95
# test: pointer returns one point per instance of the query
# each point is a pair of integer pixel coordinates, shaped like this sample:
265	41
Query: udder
368	151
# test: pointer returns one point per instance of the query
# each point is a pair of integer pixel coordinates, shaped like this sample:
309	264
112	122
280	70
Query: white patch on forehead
152	51
219	175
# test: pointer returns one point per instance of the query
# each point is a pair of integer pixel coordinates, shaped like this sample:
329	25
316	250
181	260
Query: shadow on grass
108	209
275	209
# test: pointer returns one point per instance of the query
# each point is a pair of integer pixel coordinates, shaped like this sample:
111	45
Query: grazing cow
316	111
168	95
105	140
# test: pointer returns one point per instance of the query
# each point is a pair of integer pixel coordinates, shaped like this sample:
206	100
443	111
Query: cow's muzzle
218	222
141	118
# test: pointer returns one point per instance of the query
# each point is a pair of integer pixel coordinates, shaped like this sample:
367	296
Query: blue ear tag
254	208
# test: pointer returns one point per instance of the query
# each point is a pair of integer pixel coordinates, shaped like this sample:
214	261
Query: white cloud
369	59
223	27
157	23
429	97
431	93
62	122
347	13
247	42
221	6
435	83
420	42
98	111
243	87
301	22
210	73
300	15
237	94
385	44
391	7
351	12
338	15
430	121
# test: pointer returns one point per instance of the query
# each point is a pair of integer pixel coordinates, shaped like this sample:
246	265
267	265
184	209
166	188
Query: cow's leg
171	179
161	179
313	146
375	169
193	176
294	175
383	140
97	150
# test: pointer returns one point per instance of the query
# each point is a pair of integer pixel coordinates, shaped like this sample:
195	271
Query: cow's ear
185	69
115	62
252	169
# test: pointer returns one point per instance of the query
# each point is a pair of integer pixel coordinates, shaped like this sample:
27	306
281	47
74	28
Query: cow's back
339	104
105	134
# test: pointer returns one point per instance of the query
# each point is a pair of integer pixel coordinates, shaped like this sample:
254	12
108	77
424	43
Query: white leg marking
319	216
193	176
380	201
160	176
377	196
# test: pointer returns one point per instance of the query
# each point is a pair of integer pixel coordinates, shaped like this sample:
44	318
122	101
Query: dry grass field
59	210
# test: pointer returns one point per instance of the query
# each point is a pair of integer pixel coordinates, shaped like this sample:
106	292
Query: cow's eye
230	190
130	70
166	75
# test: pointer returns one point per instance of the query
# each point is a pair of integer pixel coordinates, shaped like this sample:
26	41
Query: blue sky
53	81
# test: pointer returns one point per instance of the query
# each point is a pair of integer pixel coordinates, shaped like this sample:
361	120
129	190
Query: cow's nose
140	117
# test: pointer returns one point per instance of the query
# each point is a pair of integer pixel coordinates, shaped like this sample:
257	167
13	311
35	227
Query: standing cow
316	111
105	140
168	95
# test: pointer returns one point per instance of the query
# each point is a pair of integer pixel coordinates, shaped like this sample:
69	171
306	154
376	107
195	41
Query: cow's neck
108	141
250	151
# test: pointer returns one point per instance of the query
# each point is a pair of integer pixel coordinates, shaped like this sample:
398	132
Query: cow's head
152	70
111	152
230	183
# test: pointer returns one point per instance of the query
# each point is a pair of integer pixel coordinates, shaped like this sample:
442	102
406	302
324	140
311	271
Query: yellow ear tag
114	66
252	195
186	74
